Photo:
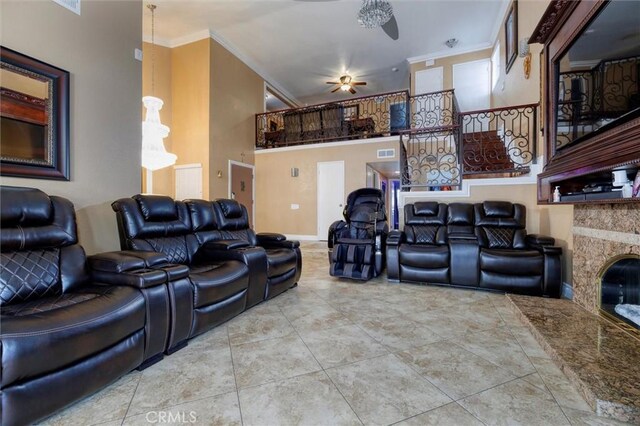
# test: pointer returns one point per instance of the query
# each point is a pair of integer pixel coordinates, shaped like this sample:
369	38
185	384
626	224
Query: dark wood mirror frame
599	153
55	110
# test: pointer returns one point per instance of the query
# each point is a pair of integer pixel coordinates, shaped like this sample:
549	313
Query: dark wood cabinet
587	132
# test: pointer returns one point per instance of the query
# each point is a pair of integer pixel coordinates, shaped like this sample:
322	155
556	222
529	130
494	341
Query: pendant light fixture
154	154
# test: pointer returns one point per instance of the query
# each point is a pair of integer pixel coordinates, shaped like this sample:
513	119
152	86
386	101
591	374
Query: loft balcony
439	144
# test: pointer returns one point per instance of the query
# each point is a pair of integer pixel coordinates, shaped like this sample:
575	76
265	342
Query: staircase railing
499	140
429	158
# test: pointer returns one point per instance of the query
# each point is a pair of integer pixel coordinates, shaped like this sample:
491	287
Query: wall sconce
295	172
525	53
219	173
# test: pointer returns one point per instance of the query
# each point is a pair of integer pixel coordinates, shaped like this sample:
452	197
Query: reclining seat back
425	223
57	327
424	255
359	252
40	254
505	262
500	225
156	223
463	245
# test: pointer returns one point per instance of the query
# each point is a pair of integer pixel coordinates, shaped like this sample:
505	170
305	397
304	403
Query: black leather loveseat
67	329
217	272
482	245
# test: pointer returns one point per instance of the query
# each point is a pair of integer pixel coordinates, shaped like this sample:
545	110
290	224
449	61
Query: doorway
330	188
429	80
241	186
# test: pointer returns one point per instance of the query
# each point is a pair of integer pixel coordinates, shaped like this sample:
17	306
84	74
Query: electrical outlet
295	206
137	53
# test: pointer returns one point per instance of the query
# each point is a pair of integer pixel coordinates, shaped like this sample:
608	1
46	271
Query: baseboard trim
301	237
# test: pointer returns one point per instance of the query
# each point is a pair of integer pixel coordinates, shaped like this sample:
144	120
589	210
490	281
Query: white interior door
330	195
472	83
188	181
429	80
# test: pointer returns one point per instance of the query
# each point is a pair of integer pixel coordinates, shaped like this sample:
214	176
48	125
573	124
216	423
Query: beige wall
105	106
156	81
237	95
447	66
513	88
276	190
190	112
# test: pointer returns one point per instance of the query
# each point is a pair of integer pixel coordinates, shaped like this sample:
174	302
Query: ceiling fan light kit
374	13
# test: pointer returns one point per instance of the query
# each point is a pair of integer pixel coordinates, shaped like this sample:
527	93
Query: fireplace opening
620	290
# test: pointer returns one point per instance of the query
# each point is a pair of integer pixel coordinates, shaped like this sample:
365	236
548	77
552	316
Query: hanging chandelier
374	13
154	154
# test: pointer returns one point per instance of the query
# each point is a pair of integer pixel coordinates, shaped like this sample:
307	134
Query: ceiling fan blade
333	82
391	28
335	90
352	90
358	83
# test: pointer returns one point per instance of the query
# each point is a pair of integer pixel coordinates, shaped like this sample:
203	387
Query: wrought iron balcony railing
499	140
368	116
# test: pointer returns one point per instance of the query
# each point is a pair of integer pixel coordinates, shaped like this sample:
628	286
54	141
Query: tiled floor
340	352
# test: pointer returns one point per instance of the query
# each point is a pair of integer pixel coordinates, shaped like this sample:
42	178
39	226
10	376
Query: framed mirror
34	118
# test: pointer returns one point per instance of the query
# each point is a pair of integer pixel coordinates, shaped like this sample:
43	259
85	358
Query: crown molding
449	52
204	34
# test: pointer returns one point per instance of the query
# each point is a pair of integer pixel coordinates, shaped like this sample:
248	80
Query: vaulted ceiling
298	45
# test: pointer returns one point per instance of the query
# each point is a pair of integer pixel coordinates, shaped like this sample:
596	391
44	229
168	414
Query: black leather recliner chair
214	291
483	245
511	260
222	229
356	244
64	333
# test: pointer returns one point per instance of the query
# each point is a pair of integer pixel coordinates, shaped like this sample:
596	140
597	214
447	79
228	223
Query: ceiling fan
375	7
346	84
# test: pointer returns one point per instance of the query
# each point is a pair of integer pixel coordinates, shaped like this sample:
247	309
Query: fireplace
620	290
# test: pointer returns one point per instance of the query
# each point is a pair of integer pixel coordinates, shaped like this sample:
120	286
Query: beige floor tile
109	404
385	390
311	399
215	338
318	316
341	345
555	380
221	410
455	371
447	323
500	347
399	333
515	403
185	376
447	415
274	359
253	327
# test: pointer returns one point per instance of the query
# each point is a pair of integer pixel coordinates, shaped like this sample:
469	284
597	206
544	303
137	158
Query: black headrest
425	213
425	208
501	214
365	196
230	208
203	215
497	209
230	215
30	219
460	214
156	208
24	207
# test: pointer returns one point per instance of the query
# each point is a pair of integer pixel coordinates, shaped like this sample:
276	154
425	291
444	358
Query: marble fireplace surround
601	359
600	232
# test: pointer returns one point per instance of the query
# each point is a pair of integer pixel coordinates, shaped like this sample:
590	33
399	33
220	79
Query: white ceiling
299	45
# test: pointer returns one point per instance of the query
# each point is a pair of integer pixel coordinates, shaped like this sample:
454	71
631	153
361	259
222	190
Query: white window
495	66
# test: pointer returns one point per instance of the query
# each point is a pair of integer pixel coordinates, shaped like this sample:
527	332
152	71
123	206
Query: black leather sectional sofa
71	325
482	245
